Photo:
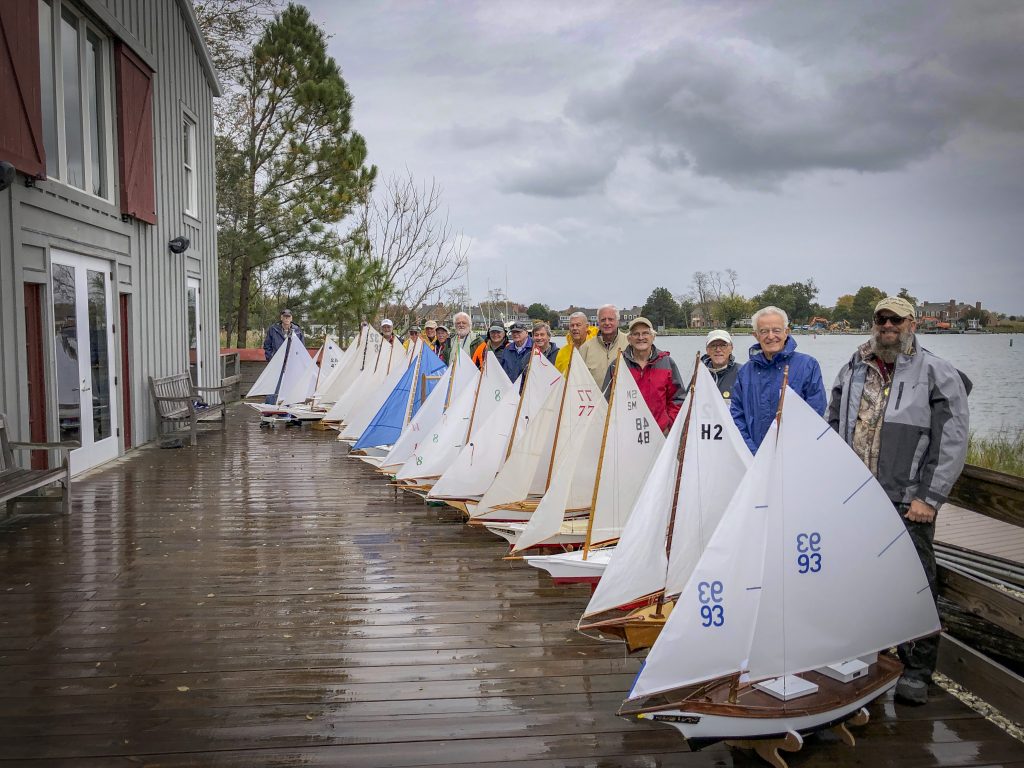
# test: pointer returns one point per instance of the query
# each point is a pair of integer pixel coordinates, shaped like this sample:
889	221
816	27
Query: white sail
540	379
454	380
631	447
575	464
714	462
811	565
442	442
362	414
861	587
358	356
296	363
370	378
299	389
474	469
529	454
360	365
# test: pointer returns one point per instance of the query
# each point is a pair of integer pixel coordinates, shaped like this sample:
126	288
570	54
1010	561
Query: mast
451	382
679	477
600	457
476	397
364	332
519	406
558	424
412	390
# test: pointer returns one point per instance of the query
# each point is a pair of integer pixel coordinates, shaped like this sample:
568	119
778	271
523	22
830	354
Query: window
188	135
74	75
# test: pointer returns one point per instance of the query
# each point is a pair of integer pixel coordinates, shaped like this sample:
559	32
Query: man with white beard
904	412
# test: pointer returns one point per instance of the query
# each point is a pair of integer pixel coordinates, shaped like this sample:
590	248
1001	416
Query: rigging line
898	536
859	487
824	432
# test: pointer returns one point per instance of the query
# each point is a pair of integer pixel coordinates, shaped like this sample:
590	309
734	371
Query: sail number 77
712	609
808	548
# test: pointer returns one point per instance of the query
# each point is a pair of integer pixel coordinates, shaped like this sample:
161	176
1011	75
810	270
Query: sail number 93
712	611
808	548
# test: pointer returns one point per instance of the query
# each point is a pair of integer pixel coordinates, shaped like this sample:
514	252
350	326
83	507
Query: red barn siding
21	128
135	132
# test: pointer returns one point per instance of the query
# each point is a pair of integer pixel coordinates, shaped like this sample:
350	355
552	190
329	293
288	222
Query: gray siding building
108	125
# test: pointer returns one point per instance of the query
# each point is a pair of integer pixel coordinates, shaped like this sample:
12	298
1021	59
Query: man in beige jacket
600	352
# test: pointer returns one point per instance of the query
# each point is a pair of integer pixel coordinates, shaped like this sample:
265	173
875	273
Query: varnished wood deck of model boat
262	600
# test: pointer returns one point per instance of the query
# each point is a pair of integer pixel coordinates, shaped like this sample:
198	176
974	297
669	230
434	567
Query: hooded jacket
725	378
562	359
924	428
478	352
659	382
598	357
276	337
755	394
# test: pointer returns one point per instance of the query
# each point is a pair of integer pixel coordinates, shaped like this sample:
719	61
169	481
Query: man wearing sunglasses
904	412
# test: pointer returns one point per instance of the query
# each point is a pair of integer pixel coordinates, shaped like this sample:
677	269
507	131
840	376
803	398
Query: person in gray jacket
904	412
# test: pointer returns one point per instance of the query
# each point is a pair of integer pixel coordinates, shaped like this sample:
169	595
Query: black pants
920	656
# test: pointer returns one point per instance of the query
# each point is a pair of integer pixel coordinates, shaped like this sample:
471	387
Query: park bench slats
178	400
16	481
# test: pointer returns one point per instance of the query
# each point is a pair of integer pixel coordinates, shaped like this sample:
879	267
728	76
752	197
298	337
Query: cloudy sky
595	150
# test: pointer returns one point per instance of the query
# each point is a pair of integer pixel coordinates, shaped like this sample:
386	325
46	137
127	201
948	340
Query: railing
985	588
231	372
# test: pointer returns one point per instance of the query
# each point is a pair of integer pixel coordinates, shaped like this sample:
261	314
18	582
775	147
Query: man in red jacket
655	372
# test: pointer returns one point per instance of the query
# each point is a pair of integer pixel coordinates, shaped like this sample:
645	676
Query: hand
920	512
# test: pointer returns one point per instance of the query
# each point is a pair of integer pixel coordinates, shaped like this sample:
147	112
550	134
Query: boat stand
768	749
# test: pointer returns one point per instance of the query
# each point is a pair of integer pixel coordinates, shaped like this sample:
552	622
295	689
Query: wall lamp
179	244
7	174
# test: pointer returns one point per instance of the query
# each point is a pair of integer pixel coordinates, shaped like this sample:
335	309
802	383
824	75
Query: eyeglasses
893	320
770	331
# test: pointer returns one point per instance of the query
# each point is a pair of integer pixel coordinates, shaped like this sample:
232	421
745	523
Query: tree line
302	218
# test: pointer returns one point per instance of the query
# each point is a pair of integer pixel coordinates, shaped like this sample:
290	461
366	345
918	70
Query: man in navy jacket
755	396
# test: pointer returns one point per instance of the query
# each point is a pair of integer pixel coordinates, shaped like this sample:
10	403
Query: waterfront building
108	249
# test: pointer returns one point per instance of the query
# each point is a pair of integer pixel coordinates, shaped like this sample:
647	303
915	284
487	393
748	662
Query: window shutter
21	126
135	155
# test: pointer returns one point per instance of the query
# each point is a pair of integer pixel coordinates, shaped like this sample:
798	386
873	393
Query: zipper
899	396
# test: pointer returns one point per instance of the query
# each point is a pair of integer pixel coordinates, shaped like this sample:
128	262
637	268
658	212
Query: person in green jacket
464	337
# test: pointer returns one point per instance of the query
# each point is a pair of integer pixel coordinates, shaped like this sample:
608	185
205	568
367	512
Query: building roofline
200	42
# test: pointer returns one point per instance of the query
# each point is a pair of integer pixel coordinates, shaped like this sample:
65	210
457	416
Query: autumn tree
297	165
797	299
864	300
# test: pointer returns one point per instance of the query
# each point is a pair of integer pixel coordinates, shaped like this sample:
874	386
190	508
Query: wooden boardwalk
263	600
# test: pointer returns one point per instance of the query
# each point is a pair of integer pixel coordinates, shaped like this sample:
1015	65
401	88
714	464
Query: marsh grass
1003	451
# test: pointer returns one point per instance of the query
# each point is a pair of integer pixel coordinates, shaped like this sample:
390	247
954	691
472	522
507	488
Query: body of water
994	366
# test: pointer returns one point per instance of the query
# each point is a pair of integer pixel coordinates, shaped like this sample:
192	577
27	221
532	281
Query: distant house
108	246
952	311
697	319
627	316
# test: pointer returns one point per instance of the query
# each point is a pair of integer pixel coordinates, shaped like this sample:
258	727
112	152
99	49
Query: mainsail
290	365
715	460
811	565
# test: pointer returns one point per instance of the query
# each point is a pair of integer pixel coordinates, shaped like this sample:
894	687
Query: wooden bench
178	400
16	482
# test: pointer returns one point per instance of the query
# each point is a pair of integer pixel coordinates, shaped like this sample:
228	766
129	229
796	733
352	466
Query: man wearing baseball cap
720	361
516	356
387	331
278	333
903	411
656	374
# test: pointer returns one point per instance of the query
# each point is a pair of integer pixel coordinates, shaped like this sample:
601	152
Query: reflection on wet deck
262	600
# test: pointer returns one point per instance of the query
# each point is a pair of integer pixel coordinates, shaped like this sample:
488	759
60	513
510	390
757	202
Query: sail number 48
712	611
808	548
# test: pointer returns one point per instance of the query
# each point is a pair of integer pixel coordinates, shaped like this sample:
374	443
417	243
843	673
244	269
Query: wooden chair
16	482
178	400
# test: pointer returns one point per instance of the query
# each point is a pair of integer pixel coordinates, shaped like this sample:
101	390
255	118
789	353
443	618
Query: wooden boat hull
510	532
571	568
710	717
638	628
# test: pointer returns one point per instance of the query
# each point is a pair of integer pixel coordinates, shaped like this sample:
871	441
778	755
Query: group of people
901	409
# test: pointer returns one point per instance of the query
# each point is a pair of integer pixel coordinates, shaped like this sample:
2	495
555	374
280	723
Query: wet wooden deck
262	600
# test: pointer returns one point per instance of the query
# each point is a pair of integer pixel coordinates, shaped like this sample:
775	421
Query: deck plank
262	600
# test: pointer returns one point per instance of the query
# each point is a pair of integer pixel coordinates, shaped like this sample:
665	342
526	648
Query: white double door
84	352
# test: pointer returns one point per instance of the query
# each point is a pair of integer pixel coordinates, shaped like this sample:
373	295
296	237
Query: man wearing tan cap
656	374
720	361
904	412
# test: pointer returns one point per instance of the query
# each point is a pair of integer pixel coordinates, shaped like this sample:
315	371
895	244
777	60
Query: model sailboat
810	567
289	369
686	493
629	447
